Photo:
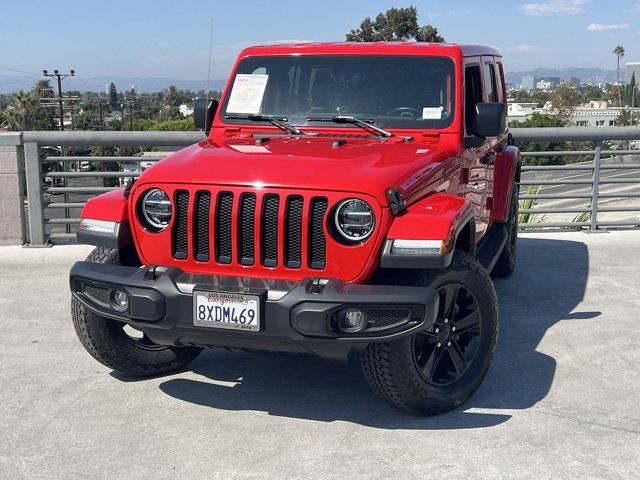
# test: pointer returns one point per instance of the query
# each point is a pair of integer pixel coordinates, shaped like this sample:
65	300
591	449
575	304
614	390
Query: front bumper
297	317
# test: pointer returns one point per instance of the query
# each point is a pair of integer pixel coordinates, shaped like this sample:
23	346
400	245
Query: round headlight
354	220
156	209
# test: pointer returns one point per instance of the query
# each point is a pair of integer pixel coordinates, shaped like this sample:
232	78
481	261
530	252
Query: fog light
120	300
352	320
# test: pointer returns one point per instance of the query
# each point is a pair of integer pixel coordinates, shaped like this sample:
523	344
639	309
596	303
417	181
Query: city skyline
142	40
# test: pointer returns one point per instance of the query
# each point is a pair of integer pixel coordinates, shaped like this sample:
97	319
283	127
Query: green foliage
25	113
529	204
396	24
86	121
564	98
185	124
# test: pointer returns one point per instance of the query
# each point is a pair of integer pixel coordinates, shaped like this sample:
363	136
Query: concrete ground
560	400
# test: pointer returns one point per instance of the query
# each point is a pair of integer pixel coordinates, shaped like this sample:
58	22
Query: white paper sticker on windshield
247	93
432	113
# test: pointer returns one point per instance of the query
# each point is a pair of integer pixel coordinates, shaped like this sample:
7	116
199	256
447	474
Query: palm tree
619	53
42	89
21	112
172	97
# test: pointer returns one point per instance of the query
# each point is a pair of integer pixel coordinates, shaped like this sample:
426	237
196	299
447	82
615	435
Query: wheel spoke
469	322
450	297
432	362
457	357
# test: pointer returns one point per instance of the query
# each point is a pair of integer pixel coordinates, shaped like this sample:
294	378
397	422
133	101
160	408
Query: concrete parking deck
560	401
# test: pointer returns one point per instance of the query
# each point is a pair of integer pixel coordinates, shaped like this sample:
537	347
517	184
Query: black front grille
293	232
269	232
219	213
224	211
382	318
180	236
246	228
96	293
318	242
201	226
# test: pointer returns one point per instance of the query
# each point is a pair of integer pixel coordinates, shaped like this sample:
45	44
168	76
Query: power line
18	71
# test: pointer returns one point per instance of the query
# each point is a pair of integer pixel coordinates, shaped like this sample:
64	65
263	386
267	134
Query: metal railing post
595	188
33	171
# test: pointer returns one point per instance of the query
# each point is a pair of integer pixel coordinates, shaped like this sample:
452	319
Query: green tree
25	113
86	121
564	98
172	96
631	91
396	24
619	53
113	95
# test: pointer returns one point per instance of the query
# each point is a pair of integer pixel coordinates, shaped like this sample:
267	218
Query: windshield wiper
365	123
280	122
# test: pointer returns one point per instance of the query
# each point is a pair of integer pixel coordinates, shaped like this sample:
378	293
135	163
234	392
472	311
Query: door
475	184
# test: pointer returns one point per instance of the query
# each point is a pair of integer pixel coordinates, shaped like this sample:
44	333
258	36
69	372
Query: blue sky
170	38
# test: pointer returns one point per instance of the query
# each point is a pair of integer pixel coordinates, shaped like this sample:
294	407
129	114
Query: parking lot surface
560	401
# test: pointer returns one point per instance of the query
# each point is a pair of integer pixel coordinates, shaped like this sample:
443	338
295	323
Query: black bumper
296	317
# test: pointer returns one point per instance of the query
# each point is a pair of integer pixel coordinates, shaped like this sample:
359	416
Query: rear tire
506	262
421	373
108	342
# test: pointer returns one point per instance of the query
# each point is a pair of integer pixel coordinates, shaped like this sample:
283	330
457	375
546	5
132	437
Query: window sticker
250	148
432	113
247	93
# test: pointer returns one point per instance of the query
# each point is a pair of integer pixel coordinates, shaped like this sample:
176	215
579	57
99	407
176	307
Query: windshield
393	92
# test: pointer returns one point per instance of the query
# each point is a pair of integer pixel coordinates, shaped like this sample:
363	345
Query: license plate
226	310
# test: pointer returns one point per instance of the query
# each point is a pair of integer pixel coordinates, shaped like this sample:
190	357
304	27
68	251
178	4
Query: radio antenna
209	72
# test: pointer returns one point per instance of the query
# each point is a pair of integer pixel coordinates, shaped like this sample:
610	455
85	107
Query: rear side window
472	94
501	82
490	82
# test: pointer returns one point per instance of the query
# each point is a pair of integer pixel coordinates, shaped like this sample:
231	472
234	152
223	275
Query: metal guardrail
58	187
591	185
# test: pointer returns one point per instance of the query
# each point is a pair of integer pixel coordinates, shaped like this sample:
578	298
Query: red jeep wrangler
350	199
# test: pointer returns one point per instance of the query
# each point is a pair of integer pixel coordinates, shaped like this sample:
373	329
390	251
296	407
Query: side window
472	94
501	82
490	82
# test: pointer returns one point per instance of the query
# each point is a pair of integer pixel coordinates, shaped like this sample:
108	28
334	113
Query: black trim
296	316
389	260
120	238
491	246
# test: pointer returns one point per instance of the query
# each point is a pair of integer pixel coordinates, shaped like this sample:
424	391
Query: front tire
437	370
108	341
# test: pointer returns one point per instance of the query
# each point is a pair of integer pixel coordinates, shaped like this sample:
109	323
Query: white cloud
601	27
552	8
524	48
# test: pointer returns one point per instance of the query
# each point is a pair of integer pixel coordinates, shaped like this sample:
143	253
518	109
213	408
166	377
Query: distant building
519	112
632	68
529	82
107	88
185	110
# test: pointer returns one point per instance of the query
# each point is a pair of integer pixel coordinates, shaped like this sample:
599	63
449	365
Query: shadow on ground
549	283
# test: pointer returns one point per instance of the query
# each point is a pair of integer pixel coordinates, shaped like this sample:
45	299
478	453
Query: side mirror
203	112
490	120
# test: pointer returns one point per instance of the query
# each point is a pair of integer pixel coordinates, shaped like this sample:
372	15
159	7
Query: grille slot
293	232
317	241
180	234
201	226
383	318
224	211
97	294
269	231
246	228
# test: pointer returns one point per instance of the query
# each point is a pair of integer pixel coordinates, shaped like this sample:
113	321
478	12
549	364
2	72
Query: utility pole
59	77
